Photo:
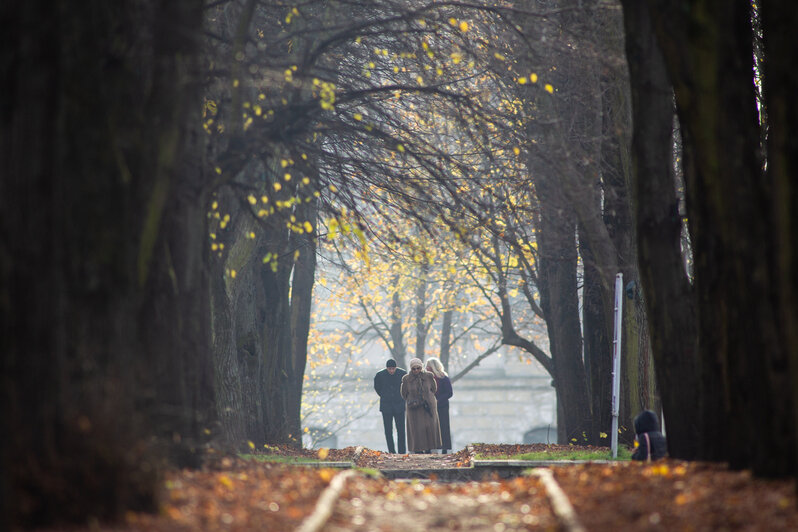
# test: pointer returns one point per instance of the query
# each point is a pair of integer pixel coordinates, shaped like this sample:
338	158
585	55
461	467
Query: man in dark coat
387	384
651	444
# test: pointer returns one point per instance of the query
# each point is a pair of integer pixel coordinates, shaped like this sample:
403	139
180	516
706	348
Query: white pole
616	362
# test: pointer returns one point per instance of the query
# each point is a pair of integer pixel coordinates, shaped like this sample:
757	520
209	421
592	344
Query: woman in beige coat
418	390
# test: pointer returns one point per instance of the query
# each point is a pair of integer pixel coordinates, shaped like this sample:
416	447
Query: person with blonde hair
418	391
442	395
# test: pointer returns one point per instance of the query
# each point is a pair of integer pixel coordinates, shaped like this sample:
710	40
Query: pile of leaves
677	495
236	494
346	454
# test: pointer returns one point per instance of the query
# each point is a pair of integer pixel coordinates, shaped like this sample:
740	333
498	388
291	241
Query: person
442	395
418	390
387	384
651	443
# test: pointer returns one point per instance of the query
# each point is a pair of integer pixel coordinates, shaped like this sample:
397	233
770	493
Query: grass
623	454
279	459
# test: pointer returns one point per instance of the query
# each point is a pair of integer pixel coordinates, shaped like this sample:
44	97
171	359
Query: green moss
623	454
278	459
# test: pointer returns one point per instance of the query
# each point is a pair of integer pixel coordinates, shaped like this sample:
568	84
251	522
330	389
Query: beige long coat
423	429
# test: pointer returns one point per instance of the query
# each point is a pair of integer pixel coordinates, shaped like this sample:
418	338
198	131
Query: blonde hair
436	367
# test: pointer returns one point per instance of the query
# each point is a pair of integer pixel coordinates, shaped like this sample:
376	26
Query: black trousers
389	419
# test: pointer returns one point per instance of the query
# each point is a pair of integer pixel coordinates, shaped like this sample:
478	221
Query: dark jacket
649	436
444	390
388	388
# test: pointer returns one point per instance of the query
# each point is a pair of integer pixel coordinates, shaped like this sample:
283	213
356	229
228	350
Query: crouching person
651	444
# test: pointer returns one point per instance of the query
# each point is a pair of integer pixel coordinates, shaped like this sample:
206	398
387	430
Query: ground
235	494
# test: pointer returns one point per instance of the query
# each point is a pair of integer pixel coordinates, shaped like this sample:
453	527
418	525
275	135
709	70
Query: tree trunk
558	291
421	311
779	20
91	139
227	386
301	302
666	290
711	68
446	338
398	348
598	349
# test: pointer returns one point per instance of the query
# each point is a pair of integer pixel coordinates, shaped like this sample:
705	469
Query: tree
741	355
102	278
666	286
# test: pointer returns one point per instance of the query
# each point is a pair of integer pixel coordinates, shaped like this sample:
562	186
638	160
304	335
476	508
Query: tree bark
558	296
95	224
779	20
446	335
666	290
709	55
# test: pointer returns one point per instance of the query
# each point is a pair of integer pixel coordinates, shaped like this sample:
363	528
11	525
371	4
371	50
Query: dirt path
369	504
357	503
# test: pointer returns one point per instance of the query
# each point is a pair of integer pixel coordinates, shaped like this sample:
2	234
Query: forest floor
237	494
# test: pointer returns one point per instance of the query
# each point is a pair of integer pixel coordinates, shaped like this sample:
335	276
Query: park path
354	502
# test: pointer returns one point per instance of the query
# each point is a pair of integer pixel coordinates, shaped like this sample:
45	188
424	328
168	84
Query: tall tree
102	272
779	21
742	356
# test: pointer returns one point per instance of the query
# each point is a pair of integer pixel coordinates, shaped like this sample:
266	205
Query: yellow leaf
225	481
308	227
533	78
233	274
287	177
464	26
400	148
516	150
549	88
251	199
277	186
499	56
522	80
357	116
251	445
323	453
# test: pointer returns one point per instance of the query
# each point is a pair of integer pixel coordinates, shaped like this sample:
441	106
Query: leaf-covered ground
236	494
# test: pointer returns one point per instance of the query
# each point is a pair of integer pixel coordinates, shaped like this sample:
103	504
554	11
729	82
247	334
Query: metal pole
616	362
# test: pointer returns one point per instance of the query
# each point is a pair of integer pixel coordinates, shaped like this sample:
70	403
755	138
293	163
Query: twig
324	507
559	501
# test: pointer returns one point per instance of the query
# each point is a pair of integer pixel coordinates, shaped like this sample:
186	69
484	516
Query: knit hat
391	363
416	362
